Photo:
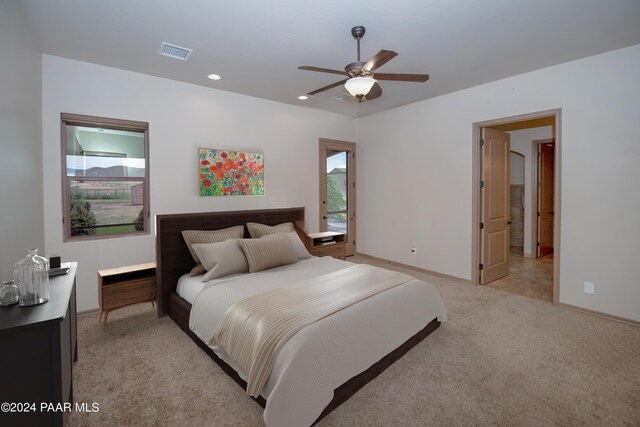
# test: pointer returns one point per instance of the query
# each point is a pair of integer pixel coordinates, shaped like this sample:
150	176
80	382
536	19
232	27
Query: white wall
21	217
521	141
416	161
182	117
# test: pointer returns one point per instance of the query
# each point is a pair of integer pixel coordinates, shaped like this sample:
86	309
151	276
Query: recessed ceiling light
303	97
214	77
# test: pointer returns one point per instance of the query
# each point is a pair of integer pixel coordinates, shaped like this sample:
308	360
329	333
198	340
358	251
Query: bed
323	371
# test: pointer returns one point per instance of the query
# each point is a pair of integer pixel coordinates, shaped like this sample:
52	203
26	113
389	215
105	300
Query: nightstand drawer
335	250
130	292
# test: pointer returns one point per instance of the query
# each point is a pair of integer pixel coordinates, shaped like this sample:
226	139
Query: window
105	181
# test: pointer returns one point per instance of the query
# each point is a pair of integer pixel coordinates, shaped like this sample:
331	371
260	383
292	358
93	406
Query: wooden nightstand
328	243
122	286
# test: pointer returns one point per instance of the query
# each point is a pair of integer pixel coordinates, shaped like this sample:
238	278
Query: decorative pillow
221	258
299	248
258	230
209	236
262	254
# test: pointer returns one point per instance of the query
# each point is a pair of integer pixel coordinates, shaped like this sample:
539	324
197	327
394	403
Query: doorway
517	208
530	268
338	190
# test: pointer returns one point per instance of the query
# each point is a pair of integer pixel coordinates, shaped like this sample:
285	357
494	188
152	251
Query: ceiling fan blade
321	70
331	86
380	59
374	93
402	77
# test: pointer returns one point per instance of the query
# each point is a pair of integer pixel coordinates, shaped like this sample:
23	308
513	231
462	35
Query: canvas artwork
231	173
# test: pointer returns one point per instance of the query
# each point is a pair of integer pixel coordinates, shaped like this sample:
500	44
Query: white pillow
260	230
298	246
221	258
268	252
209	236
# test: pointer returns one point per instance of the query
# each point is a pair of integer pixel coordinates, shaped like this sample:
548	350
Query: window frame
67	119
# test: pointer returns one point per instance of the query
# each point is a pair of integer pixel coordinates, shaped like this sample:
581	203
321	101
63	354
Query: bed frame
173	260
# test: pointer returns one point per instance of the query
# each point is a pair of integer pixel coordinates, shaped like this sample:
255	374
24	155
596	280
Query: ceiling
257	45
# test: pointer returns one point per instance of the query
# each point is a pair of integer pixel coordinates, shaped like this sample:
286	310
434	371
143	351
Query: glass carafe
31	275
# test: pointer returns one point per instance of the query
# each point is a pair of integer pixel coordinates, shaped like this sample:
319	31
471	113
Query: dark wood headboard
172	256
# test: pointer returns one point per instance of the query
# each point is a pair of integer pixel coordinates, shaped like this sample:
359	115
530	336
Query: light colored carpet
501	359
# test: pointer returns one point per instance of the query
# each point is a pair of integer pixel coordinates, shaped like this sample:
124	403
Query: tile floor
530	277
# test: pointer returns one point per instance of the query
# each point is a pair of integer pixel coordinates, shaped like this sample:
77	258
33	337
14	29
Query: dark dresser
37	349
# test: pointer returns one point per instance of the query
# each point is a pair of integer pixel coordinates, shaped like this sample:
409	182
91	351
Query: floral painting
230	173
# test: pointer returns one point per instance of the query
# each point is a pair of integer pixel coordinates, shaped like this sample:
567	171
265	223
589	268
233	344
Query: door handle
324	217
509	222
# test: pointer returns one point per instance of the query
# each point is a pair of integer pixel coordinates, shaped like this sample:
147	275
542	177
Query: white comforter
322	356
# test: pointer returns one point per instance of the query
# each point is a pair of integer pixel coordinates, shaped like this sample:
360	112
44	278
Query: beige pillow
221	258
209	236
267	253
258	230
299	248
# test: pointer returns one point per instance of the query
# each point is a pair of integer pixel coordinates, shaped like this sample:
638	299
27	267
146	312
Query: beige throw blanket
254	330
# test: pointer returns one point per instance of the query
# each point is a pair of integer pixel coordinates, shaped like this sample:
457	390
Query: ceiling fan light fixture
359	86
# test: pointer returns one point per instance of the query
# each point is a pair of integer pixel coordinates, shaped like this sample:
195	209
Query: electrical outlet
589	288
414	251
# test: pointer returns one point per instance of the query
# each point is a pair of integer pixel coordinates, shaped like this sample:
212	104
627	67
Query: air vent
176	52
346	97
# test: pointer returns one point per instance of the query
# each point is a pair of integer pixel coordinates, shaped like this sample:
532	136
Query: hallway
529	277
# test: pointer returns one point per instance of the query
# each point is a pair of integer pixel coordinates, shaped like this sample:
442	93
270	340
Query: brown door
546	163
494	234
338	190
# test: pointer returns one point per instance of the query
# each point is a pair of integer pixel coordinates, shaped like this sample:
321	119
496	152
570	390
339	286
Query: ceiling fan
361	81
